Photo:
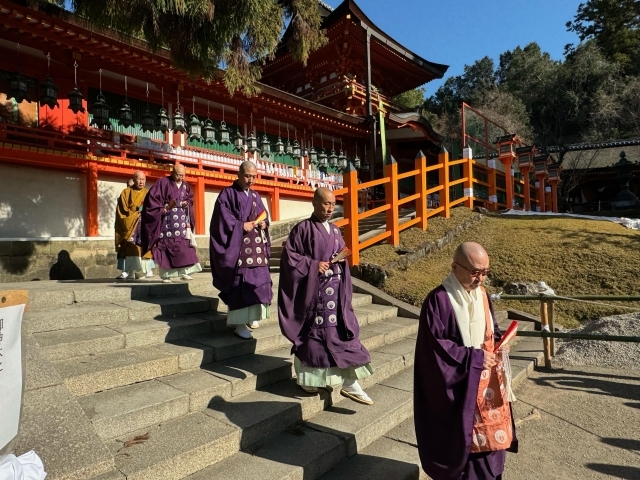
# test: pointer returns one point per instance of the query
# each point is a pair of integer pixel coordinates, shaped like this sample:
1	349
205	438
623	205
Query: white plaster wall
41	203
290	208
210	197
109	189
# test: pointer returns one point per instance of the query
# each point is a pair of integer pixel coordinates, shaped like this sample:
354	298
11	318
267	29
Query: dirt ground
585	425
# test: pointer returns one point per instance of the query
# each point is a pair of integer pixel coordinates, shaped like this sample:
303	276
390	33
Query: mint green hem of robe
334	376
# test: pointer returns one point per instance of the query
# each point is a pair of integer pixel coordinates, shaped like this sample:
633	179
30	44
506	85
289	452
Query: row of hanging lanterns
193	127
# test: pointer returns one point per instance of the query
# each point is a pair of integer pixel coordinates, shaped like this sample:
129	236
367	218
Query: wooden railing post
468	185
546	342
421	188
492	178
443	159
391	196
350	206
199	201
92	199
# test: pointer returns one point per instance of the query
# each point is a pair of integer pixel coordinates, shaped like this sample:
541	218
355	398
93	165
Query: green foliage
411	98
204	35
613	25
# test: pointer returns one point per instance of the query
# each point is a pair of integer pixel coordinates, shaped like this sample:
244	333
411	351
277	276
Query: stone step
224	345
176	448
94	314
75	342
309	449
374	336
384	458
94	373
124	409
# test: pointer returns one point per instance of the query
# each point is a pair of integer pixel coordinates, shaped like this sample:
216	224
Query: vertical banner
12	305
383	135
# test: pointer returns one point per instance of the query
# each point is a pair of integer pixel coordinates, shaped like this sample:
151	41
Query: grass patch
411	238
573	256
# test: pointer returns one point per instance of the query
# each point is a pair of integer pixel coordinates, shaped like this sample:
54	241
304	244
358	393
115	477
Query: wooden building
63	170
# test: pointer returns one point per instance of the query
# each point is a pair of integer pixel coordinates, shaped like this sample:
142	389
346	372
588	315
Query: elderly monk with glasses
462	394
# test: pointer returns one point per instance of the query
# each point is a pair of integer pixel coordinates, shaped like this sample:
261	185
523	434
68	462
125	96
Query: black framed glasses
476	273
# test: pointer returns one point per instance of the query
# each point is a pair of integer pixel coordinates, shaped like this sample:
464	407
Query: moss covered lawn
573	256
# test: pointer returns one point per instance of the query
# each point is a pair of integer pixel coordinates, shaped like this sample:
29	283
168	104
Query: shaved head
247	174
470	265
177	173
324	203
139	179
247	166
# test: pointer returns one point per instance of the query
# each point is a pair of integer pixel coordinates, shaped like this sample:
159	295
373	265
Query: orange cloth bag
492	428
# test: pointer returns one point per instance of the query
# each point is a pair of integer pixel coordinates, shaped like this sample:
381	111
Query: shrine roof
388	56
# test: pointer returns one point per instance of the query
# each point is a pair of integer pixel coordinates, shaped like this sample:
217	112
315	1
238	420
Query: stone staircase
142	380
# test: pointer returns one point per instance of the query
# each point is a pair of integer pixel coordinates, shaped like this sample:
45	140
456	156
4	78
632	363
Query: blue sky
459	32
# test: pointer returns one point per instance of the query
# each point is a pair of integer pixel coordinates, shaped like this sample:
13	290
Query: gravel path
620	355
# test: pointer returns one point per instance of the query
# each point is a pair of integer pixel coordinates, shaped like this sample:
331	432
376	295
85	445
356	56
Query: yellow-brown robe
127	237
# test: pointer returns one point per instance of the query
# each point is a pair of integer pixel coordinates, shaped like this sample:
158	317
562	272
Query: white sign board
10	371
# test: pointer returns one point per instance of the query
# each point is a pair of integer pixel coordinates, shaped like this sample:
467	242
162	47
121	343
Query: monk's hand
489	360
248	226
184	204
262	225
323	266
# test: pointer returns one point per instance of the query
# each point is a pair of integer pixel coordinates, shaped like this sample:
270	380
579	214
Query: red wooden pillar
199	203
443	160
554	195
92	199
508	179
526	187
275	205
421	188
492	179
541	191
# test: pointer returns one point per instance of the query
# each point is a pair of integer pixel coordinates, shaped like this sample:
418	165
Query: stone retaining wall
66	259
377	275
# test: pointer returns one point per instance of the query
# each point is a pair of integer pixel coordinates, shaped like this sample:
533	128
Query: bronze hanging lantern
48	90
225	134
125	114
342	159
252	141
18	88
279	146
147	120
313	156
179	124
288	148
265	144
238	139
195	127
75	96
162	119
100	113
356	160
48	93
209	132
296	149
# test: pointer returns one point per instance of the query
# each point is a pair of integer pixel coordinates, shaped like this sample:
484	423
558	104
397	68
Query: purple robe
316	318
240	285
163	233
447	375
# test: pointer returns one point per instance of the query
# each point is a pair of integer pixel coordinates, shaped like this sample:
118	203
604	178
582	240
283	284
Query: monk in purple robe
167	227
239	250
449	363
314	306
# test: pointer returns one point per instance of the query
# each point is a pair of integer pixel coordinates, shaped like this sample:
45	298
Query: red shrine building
82	109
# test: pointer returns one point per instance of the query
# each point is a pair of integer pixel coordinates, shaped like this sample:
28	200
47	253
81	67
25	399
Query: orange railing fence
474	183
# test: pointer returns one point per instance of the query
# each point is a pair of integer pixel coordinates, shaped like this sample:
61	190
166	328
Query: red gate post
350	205
443	159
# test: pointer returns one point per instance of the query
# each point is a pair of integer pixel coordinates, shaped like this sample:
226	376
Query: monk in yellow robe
127	238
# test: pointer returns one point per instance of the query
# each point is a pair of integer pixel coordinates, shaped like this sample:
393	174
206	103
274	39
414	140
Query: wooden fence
469	180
